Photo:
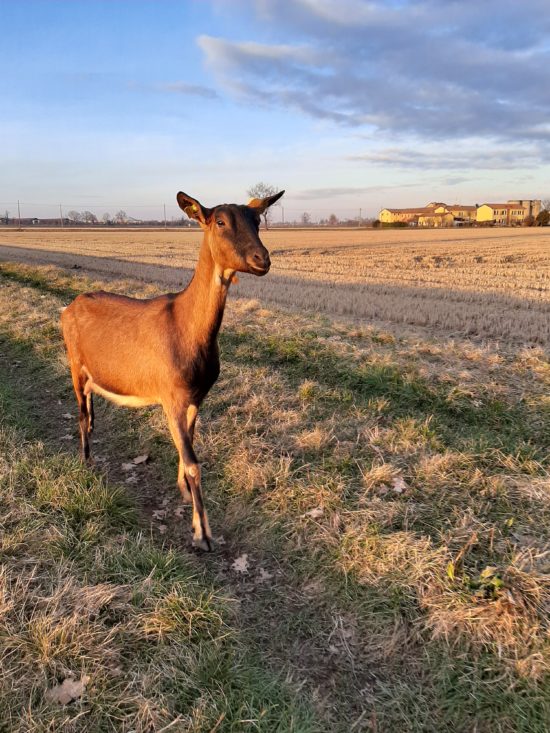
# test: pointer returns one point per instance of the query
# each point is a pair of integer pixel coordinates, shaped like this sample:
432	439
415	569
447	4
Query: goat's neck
203	301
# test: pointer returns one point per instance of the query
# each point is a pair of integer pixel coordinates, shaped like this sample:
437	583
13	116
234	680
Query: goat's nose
261	259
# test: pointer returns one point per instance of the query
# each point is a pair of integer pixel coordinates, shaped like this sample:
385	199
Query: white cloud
403	68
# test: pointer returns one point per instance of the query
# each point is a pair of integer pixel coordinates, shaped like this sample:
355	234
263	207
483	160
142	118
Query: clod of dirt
264	575
140	459
399	485
68	691
240	564
314	513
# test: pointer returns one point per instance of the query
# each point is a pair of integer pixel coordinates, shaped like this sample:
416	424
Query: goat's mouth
257	270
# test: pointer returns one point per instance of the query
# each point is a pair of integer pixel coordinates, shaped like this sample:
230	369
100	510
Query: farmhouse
434	214
508	214
438	214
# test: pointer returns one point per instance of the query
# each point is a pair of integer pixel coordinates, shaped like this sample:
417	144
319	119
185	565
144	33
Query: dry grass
390	493
485	283
86	599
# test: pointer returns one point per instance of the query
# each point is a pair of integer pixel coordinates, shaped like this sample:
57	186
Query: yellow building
437	217
438	214
435	214
501	214
463	212
409	216
512	213
532	207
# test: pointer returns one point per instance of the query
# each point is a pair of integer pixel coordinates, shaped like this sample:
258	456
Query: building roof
430	208
503	206
432	214
420	210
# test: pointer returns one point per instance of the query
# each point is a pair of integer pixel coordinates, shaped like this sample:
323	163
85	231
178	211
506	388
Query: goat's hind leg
85	410
91	414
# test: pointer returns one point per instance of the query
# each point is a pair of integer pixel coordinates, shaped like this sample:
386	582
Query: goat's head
233	232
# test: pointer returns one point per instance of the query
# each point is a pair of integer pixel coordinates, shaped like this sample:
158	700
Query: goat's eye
220	222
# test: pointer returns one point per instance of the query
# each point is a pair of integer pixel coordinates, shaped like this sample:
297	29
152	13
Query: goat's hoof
205	544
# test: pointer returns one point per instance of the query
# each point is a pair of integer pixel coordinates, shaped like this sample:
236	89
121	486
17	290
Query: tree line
87	217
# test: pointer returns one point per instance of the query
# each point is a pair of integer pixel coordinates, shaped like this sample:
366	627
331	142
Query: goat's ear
262	204
193	208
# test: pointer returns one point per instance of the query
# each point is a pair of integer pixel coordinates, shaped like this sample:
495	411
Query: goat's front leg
189	474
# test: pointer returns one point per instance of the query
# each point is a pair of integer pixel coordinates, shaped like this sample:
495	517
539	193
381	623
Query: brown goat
165	350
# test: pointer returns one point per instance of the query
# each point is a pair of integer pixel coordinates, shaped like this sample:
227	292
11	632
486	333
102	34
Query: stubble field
488	283
376	466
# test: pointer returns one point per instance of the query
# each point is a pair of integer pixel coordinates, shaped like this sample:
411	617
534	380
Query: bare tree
333	220
306	218
546	204
90	218
262	190
6	217
75	216
121	217
106	218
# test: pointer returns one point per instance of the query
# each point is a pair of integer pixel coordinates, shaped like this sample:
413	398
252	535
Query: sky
348	105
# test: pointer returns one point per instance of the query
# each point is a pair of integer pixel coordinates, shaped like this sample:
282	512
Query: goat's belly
119	399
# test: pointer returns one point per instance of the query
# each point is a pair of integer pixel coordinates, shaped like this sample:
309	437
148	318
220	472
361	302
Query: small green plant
488	584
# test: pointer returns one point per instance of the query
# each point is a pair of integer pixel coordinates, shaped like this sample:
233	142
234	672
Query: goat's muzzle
259	263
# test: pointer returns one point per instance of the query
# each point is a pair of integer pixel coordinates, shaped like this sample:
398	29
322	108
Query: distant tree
262	190
6	217
546	204
121	217
529	221
376	224
75	216
543	218
333	220
306	218
106	218
89	218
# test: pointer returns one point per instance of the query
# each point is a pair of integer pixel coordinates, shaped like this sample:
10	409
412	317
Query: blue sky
346	104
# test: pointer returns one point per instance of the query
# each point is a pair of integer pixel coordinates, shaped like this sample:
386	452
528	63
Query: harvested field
483	283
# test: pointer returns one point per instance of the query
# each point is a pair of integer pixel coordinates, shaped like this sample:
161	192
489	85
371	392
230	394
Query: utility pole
19	213
164	205
283	209
359	222
61	215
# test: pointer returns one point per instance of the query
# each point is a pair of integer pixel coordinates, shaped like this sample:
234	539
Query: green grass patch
50	281
486	425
